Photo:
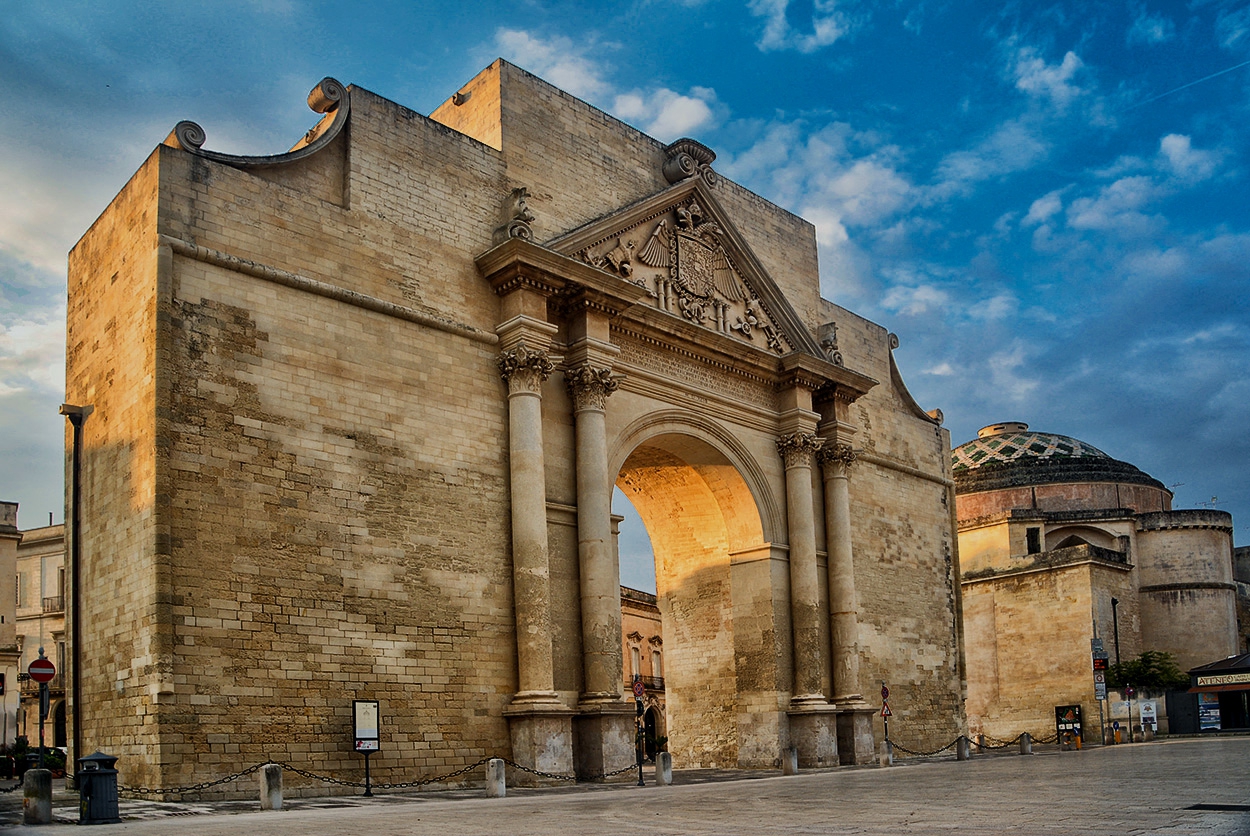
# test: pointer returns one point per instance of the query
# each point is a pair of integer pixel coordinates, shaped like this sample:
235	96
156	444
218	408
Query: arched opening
653	737
1079	535
58	725
706	537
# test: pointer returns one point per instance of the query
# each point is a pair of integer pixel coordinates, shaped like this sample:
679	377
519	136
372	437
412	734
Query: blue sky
1045	201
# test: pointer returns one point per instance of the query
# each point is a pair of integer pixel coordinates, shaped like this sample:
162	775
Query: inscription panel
695	373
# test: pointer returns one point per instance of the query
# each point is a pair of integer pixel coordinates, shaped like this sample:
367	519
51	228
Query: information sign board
365	731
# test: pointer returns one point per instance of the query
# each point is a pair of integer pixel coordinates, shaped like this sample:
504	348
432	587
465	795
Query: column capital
524	368
837	460
589	386
797	449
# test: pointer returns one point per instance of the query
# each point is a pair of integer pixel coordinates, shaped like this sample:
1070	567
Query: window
1033	536
657	668
635	661
21	589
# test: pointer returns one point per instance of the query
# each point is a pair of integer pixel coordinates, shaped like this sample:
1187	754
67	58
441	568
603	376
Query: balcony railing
30	686
651	683
55	603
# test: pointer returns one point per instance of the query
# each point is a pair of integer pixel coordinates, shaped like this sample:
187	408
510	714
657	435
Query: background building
1060	543
643	638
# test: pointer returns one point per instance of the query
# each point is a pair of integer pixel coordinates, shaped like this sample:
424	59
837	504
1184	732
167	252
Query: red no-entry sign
42	670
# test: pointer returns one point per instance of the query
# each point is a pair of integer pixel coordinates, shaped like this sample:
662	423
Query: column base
814	734
542	738
604	737
856	742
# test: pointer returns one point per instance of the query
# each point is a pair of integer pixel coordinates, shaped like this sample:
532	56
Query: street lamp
1115	627
76	415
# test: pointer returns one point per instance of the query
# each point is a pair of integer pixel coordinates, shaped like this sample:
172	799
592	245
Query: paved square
1131	789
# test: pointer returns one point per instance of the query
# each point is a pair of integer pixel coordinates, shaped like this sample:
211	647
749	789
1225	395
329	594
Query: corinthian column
836	461
796	450
525	369
589	387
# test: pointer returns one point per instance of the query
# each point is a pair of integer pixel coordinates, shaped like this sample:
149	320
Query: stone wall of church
1188	598
1027	655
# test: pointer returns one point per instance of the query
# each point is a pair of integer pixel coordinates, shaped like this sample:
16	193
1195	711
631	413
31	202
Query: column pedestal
542	739
604	737
814	734
856	744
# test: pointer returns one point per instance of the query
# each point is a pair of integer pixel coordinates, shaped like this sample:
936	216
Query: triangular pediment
682	247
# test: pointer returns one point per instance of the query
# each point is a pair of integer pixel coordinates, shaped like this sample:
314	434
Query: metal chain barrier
381	785
16	786
914	753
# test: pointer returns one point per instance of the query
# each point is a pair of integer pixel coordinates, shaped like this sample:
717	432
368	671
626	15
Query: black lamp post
1115	627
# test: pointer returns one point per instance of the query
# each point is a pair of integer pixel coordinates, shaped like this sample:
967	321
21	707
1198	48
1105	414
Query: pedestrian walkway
1177	788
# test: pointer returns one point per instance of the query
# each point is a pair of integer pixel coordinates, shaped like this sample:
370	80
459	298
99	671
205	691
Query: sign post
1100	663
42	671
365	733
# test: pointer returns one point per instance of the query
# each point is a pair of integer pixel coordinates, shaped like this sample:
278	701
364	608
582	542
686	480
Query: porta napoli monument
357	413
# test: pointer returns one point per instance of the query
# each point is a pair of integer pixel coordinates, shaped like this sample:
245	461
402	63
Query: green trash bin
97	789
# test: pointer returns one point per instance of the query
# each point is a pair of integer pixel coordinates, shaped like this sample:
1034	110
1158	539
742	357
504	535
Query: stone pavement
1146	788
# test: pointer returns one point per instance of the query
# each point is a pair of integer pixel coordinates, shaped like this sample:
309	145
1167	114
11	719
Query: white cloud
1005	374
667	114
558	60
1052	81
1118	207
32	352
1184	161
995	309
828	24
1013	146
1044	208
941	370
1151	29
1233	27
914	301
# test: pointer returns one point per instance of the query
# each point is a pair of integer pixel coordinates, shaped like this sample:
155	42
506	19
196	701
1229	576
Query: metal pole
368	788
1115	625
76	416
638	737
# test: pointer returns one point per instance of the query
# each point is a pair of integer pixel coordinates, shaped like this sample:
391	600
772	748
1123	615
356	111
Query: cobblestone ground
1132	789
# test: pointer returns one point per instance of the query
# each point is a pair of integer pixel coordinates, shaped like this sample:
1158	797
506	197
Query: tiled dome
1011	455
1012	441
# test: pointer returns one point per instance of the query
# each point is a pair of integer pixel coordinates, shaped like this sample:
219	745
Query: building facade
1060	544
358	409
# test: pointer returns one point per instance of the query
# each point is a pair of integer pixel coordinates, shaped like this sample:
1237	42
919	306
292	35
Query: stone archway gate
665	303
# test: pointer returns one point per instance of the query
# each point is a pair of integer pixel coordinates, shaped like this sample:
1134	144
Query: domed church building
1059	543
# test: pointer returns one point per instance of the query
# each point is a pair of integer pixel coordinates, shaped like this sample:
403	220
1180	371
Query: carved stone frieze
797	449
524	368
837	459
688	158
679	255
589	386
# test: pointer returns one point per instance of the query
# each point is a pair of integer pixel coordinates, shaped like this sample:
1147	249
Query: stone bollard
37	796
1026	744
790	761
270	776
663	769
496	779
887	753
963	751
980	744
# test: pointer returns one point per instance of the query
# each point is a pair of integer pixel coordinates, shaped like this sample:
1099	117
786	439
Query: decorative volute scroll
828	335
838	458
517	217
590	386
524	368
797	449
329	96
688	158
